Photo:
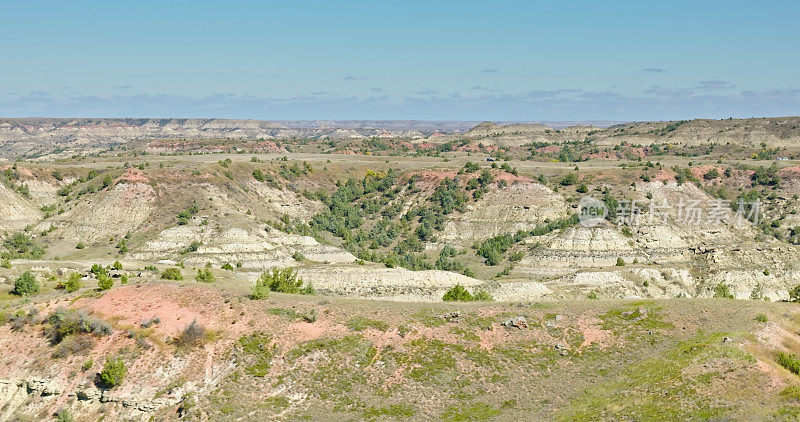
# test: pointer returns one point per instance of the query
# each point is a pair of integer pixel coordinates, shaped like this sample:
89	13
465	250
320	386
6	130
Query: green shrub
722	290
64	415
64	323
117	265
205	276
6	263
794	294
80	245
72	284
99	270
113	373
104	282
711	174
569	179
227	266
789	361
471	167
26	285
761	318
282	280
457	294
516	256
185	215
19	245
259	175
260	291
493	248
172	274
620	262
482	296
193	247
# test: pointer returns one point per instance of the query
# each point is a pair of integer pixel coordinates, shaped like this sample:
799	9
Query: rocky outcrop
520	206
16	211
122	209
254	248
385	283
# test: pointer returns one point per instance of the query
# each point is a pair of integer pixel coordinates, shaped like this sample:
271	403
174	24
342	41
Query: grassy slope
662	367
584	360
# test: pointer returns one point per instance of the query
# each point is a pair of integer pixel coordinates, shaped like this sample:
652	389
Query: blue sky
430	60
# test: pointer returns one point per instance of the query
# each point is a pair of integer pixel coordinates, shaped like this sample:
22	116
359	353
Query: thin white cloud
662	91
714	85
561	104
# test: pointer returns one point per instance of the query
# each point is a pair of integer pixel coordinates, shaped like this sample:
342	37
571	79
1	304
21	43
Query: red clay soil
134	175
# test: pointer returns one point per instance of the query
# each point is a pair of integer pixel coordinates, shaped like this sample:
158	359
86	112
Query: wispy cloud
489	71
654	70
714	85
376	89
354	78
657	102
662	91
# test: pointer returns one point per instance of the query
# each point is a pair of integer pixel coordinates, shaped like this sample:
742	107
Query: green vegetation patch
259	351
657	388
397	411
472	412
360	323
638	317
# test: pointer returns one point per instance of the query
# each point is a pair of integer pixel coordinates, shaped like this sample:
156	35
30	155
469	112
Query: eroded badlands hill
511	228
157	253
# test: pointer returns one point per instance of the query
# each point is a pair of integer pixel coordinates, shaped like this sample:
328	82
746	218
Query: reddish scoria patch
131	306
665	174
592	333
134	175
792	171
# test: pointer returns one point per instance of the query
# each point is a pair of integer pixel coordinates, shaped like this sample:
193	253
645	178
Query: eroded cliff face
520	206
250	247
16	212
685	254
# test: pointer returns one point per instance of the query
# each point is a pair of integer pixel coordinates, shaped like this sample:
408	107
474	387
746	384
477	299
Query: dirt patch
134	175
130	305
592	333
